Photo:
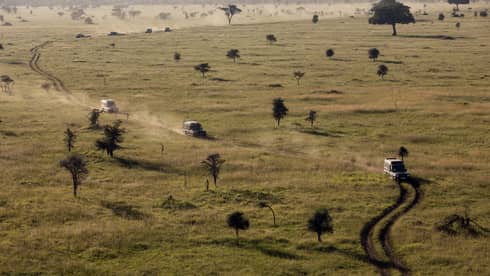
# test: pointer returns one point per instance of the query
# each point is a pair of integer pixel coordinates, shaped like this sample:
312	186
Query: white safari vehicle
193	128
395	168
109	106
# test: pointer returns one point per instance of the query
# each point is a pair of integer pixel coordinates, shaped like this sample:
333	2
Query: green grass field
435	101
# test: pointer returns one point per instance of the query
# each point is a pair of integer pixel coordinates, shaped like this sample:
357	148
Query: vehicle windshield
195	126
398	167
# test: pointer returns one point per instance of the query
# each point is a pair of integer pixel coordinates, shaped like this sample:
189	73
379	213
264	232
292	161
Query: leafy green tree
112	138
329	53
238	221
264	204
233	54
298	75
77	167
390	12
271	38
213	165
93	118
373	53
402	152
382	71
315	19
203	68
279	110
230	11
70	138
311	117
321	222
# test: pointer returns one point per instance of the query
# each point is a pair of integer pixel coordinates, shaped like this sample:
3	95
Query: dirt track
390	213
34	65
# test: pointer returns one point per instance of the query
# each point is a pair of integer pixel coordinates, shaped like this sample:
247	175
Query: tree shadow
319	132
145	165
346	253
390	61
265	246
443	37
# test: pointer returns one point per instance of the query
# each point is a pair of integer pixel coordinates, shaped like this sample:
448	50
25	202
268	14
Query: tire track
367	242
384	235
368	231
34	65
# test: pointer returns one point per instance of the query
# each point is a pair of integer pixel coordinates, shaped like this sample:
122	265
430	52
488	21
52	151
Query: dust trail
142	117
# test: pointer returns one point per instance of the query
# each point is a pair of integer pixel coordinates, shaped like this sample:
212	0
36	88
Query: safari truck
109	106
395	168
193	128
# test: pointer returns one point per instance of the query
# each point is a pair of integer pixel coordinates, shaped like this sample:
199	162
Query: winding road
384	222
34	65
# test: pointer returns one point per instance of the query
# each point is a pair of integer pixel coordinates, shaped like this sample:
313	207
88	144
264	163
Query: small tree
271	38
315	19
233	54
329	53
238	221
458	25
402	152
320	223
70	138
230	11
112	138
46	86
203	68
93	118
441	17
298	75
390	12
89	21
382	71
213	165
373	53
311	117
177	56
279	110
263	204
6	83
458	2
76	166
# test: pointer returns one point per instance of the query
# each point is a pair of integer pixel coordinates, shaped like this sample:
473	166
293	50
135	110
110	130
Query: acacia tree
298	75
271	38
373	53
390	12
279	110
238	221
213	165
382	71
458	2
77	167
70	138
6	83
264	204
402	152
230	11
233	54
112	138
203	68
320	222
311	117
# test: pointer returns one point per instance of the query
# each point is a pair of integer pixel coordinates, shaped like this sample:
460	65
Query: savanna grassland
435	101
